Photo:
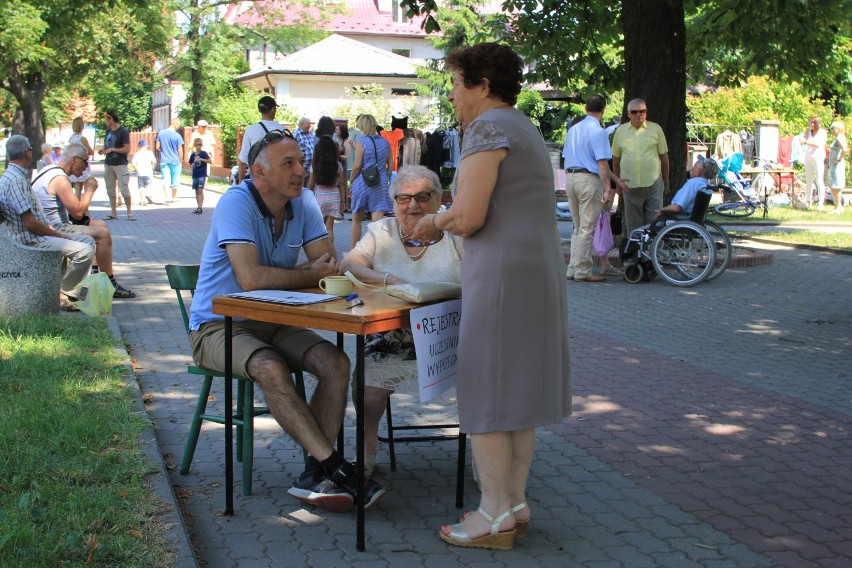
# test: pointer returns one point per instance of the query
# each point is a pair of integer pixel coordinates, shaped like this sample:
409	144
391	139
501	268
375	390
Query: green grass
804	237
787	215
72	476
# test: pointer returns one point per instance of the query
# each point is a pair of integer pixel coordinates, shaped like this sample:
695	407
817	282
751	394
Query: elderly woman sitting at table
387	255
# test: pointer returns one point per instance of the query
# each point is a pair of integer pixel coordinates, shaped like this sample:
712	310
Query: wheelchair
683	250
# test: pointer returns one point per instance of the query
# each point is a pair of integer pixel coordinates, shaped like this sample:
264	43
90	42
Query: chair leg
195	426
247	454
391	447
460	470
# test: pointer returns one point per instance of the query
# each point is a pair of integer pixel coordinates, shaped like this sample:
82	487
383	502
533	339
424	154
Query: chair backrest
182	279
702	203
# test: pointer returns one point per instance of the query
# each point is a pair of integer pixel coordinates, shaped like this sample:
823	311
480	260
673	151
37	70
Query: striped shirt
16	198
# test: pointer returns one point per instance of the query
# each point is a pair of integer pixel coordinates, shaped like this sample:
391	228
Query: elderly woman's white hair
414	174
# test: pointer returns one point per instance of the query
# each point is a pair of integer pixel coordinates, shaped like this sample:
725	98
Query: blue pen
351	297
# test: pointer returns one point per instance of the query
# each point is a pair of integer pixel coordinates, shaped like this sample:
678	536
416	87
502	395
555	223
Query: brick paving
711	428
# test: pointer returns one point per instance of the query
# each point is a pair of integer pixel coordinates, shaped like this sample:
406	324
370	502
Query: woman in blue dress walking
370	150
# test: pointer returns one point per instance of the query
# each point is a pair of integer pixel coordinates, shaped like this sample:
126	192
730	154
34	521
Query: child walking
199	160
328	182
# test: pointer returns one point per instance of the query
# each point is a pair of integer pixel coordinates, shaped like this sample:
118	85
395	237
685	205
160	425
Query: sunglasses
85	162
402	198
271	137
641	111
421	243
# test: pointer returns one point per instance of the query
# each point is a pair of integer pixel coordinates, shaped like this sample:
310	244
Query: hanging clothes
727	143
409	150
451	148
748	146
786	150
433	157
399	122
393	137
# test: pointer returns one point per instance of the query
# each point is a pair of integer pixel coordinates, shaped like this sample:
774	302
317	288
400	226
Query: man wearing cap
170	146
255	132
144	162
27	223
208	141
307	141
61	206
55	153
115	150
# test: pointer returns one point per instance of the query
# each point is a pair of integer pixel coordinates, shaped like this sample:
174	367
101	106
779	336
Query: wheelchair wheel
735	209
634	273
724	248
683	254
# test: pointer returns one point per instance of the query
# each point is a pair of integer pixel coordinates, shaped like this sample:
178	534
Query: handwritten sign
436	340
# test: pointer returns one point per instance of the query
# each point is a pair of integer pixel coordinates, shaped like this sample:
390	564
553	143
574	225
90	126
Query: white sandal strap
518	508
495	522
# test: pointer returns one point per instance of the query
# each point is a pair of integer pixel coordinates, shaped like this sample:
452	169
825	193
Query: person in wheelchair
702	171
683	202
643	257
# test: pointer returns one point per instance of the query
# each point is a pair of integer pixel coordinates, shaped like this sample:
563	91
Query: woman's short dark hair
496	62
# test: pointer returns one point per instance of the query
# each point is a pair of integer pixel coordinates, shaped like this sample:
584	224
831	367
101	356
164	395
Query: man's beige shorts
208	344
119	175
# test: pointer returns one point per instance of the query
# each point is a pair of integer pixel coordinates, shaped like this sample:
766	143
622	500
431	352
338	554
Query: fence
220	166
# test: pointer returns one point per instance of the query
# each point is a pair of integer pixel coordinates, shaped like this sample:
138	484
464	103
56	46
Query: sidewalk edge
159	481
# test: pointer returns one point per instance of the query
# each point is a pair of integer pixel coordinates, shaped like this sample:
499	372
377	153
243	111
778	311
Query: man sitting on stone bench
28	225
67	214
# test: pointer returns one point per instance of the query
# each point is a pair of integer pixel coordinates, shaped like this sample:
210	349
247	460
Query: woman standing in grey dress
514	364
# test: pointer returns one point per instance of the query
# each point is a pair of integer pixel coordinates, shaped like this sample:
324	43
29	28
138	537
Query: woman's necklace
404	238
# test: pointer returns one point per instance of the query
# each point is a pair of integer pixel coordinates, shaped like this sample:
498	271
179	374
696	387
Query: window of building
398	12
402	52
404	92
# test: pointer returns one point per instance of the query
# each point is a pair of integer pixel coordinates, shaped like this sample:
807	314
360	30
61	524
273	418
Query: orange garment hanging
393	137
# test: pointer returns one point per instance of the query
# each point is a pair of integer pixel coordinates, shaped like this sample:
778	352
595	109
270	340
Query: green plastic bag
98	300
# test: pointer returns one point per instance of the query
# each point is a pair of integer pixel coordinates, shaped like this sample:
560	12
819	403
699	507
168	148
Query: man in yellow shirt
640	154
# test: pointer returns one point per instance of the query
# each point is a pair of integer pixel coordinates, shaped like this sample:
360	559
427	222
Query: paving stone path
711	428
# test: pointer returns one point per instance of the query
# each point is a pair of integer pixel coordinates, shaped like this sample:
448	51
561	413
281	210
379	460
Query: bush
759	99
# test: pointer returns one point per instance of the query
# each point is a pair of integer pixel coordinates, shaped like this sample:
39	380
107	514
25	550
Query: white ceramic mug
336	285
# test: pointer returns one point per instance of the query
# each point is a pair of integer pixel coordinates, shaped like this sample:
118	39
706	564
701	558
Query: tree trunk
655	70
29	92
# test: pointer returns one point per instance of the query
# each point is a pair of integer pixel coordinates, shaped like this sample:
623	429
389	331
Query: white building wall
315	96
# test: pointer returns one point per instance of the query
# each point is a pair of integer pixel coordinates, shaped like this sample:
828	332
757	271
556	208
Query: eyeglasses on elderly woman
271	136
422	197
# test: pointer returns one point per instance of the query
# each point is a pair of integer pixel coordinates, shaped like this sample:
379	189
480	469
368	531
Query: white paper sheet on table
285	297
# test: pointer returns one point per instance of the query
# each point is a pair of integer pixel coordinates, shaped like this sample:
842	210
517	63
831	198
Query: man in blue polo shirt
258	229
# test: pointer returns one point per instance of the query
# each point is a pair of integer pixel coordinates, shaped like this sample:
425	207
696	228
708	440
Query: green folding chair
183	279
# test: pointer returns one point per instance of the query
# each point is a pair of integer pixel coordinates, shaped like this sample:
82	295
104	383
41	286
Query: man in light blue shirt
258	229
587	185
170	146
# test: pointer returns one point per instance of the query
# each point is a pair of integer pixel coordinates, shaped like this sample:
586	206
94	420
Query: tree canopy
55	45
587	47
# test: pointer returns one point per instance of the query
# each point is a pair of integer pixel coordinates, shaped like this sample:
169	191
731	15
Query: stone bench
29	278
